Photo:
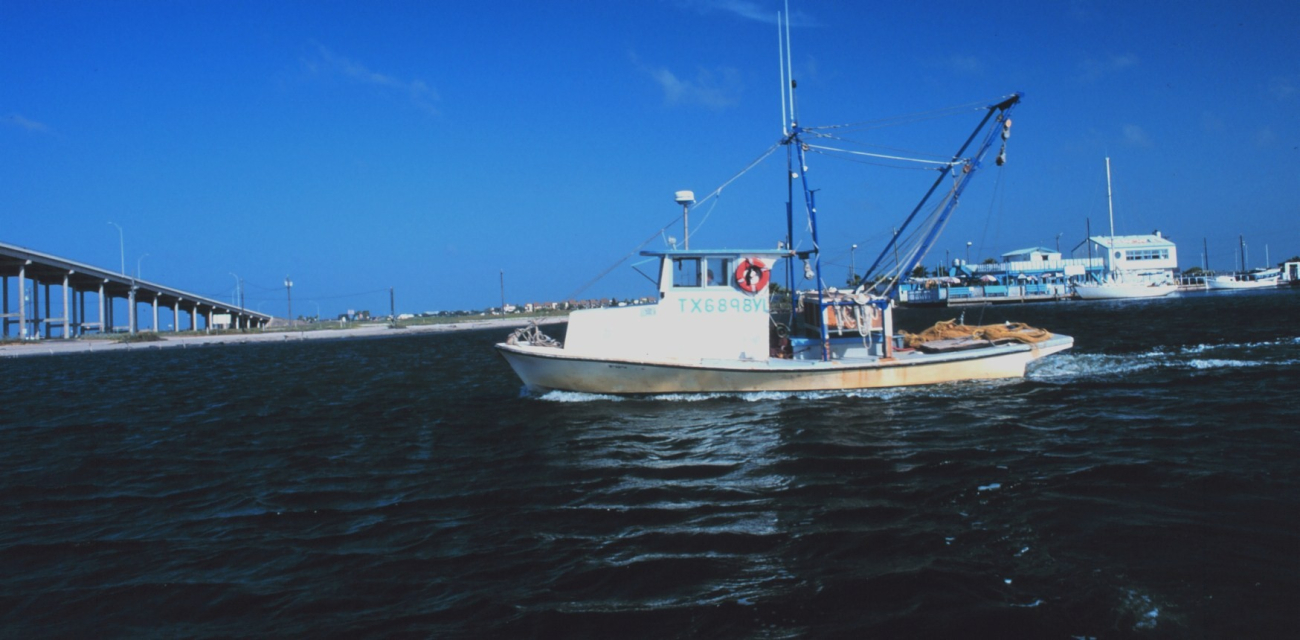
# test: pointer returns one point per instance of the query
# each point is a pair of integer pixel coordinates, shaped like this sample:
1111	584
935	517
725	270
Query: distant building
1136	253
1036	254
1152	257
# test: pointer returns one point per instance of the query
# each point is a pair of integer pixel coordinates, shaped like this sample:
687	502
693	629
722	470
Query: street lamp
121	244
288	295
137	266
853	268
968	244
239	290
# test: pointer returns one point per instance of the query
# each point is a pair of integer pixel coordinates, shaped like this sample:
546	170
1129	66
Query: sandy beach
58	346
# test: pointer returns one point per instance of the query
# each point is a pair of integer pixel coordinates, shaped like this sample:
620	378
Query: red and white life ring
752	275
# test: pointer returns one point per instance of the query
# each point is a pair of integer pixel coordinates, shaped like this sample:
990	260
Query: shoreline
59	346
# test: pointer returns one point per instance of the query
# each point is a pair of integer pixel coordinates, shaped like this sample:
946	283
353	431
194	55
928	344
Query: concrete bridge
62	285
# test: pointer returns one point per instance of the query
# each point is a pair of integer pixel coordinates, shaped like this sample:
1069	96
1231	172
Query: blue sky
427	146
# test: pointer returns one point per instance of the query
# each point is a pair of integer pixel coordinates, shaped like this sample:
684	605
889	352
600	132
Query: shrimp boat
1257	279
1262	278
716	326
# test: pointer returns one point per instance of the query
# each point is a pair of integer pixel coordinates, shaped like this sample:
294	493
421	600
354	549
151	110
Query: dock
953	296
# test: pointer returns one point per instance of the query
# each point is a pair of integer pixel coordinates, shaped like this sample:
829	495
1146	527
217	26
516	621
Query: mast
780	58
795	152
1110	207
783	46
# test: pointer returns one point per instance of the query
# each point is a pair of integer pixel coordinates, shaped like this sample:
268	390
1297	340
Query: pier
952	296
58	303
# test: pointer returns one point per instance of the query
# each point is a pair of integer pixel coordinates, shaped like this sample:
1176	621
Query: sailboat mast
1110	209
1110	204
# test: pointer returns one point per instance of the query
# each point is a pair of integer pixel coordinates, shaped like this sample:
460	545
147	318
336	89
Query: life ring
752	275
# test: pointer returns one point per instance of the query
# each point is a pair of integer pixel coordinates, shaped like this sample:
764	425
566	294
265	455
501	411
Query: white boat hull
1228	284
549	368
1121	291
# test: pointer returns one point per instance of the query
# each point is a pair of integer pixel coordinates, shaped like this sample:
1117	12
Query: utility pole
288	296
503	293
392	307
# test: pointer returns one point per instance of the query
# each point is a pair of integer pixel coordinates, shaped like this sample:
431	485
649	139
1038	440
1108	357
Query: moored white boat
1122	284
1116	290
1258	279
714	329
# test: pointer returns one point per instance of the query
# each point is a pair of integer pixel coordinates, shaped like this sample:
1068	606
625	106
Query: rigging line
911	244
631	253
833	259
869	145
912	117
659	233
699	225
716	192
873	164
990	218
1001	107
889	124
944	163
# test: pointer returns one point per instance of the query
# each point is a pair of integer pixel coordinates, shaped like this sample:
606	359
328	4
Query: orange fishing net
949	329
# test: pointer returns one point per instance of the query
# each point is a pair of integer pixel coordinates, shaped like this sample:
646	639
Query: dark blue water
1143	485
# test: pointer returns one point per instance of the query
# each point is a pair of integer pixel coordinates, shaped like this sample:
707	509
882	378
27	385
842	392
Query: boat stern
1055	344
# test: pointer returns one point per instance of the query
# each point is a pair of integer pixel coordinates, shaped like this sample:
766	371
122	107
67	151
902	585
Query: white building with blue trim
1039	273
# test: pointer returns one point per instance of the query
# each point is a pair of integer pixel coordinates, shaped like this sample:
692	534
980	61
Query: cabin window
717	272
686	272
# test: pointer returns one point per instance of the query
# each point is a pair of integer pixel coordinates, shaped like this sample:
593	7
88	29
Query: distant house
1136	253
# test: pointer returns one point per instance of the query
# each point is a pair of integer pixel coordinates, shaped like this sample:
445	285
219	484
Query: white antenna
780	59
790	67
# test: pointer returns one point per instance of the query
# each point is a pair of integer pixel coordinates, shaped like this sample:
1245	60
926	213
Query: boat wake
1284	352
